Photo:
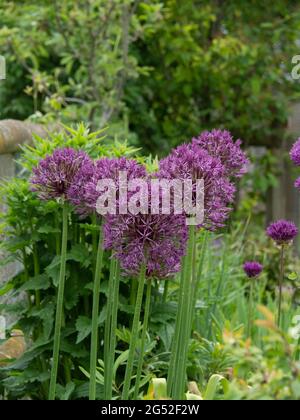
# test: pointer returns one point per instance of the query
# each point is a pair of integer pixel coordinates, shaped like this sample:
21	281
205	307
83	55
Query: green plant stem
166	289
281	277
175	341
36	266
57	236
186	326
67	369
250	312
59	306
134	334
94	241
220	287
107	329
133	291
203	248
143	340
95	315
114	324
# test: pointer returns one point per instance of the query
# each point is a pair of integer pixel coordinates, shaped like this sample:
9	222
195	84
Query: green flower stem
143	340
36	266
166	289
185	328
94	240
220	287
250	312
281	277
204	241
60	303
114	325
95	315
108	323
176	338
134	334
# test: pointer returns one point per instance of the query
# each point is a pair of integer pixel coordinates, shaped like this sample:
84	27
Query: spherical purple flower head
295	153
219	143
158	241
297	183
253	269
190	161
107	168
282	232
56	174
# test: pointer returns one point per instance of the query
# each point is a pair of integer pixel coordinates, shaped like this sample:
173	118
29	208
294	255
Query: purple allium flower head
57	173
297	183
219	143
295	153
107	168
282	231
190	161
156	240
252	269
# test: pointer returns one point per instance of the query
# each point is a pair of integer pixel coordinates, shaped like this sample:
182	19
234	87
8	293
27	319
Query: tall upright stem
281	277
134	334
60	303
113	328
186	323
250	312
143	340
95	315
107	329
176	337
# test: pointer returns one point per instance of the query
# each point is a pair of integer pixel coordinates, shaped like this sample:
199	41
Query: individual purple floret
282	232
220	144
253	269
295	153
57	173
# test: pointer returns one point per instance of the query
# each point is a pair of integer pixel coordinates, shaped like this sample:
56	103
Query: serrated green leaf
40	282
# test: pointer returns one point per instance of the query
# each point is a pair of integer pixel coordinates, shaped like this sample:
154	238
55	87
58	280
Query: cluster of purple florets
156	240
295	157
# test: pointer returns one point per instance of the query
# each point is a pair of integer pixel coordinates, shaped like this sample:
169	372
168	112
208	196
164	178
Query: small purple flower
295	153
56	174
282	232
190	161
253	269
220	144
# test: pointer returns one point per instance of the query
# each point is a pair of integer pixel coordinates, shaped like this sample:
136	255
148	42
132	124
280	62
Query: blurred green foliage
158	72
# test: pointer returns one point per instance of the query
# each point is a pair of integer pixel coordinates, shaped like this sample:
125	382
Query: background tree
157	71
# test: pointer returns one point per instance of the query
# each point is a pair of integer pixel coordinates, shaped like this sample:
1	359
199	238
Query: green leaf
80	253
293	276
212	387
6	288
121	360
64	393
40	282
48	229
165	333
84	325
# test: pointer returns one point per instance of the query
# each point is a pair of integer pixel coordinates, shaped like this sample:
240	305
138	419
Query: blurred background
158	73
